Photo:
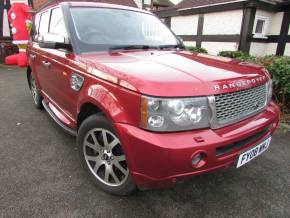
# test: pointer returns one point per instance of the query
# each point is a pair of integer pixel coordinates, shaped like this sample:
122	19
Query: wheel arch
98	99
87	109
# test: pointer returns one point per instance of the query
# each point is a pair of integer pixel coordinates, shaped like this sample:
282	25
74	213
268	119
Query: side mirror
53	41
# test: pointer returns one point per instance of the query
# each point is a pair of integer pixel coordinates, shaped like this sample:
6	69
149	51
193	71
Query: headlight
270	90
174	114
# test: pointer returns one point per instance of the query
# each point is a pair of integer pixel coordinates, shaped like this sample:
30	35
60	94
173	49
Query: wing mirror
53	41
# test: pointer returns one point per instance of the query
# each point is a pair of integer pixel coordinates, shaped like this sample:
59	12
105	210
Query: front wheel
102	156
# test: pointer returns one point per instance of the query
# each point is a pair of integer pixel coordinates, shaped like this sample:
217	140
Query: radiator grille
241	104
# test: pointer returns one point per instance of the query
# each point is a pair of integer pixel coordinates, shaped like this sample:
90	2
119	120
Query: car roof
93	4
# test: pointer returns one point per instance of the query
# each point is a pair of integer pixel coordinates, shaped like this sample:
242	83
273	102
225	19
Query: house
259	27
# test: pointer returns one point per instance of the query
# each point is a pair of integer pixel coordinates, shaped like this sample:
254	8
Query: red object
18	16
155	160
17	59
115	82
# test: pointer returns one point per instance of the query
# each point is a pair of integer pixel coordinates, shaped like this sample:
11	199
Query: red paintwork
114	83
159	160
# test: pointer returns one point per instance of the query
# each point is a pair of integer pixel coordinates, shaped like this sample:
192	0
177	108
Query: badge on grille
256	105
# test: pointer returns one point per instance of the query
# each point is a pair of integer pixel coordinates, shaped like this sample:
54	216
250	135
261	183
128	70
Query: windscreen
103	28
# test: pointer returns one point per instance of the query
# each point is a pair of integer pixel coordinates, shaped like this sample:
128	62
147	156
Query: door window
44	21
57	25
35	27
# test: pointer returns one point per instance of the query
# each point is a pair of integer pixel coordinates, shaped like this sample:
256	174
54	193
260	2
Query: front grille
235	106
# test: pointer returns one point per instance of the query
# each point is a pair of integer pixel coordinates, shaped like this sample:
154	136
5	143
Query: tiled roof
165	3
131	3
198	3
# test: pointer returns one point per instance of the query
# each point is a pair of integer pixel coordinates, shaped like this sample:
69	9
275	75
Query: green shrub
279	68
196	49
236	55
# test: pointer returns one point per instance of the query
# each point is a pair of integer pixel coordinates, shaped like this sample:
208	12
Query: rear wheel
37	99
103	157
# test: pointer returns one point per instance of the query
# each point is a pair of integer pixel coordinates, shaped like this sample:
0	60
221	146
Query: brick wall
38	3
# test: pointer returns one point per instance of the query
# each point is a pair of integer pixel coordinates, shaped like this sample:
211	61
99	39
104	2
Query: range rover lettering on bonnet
239	83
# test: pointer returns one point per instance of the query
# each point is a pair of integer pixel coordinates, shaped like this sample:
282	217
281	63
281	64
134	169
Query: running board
54	117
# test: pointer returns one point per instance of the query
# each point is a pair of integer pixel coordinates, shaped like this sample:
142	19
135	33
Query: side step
52	115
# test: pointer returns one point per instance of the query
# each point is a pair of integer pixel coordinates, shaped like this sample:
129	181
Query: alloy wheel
105	158
33	89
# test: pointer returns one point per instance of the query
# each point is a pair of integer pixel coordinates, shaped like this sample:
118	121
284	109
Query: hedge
196	49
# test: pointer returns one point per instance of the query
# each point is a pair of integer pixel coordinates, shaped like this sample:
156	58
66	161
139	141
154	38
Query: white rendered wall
262	49
138	3
184	25
25	1
214	48
221	23
287	50
190	43
273	26
6	31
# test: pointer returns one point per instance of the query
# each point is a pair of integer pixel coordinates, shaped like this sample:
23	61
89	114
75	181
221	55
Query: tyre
102	156
37	99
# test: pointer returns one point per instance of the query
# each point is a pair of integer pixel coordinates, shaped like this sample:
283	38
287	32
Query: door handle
32	56
46	64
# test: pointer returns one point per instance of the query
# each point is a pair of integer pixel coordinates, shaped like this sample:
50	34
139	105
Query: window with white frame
260	27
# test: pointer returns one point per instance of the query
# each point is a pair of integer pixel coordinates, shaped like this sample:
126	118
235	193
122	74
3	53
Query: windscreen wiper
171	46
131	47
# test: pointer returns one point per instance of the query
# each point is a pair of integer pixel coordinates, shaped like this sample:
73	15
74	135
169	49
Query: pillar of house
283	33
249	14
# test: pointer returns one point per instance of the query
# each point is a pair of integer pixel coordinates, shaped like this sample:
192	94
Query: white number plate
253	153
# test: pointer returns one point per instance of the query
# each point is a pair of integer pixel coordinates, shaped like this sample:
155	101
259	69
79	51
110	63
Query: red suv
146	112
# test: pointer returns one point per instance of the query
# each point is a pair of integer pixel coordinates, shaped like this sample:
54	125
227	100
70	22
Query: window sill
256	36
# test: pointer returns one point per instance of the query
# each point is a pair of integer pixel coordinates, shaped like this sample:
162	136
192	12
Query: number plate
253	152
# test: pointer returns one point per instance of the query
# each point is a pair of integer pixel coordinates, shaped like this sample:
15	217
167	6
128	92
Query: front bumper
159	160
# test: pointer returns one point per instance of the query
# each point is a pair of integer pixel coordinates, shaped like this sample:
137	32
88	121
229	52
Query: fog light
199	159
196	159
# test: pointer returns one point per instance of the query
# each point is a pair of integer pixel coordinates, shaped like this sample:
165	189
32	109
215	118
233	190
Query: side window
35	27
260	27
36	23
44	21
57	25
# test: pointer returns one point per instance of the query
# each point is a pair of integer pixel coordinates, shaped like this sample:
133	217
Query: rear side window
57	25
35	27
44	22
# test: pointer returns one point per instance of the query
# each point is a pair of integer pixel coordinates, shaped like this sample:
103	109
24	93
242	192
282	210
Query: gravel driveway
41	176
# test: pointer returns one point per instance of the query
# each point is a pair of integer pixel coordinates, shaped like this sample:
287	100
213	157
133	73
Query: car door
40	56
60	72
